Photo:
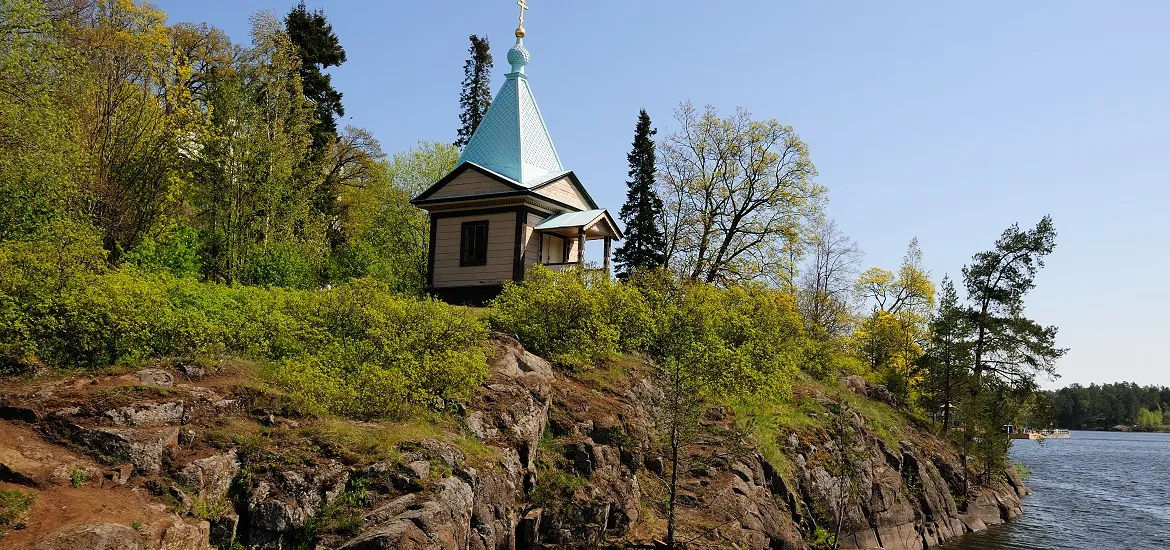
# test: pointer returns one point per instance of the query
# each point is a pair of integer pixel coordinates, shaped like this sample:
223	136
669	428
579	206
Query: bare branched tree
825	294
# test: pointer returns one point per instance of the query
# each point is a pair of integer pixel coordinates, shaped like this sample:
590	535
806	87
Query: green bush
173	250
284	264
754	334
572	317
751	336
355	350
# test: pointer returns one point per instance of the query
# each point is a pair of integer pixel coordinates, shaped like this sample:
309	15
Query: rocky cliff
179	458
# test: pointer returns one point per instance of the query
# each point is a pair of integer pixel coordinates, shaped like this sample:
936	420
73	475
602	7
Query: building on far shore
509	203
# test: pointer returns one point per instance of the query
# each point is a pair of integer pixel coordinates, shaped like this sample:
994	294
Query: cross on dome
512	139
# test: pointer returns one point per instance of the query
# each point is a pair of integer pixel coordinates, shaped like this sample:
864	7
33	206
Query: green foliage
946	363
1149	418
476	96
644	246
1106	405
556	487
982	439
77	477
890	339
317	48
354	350
737	192
822	539
1022	469
212	509
382	356
572	317
389	237
284	264
1009	346
174	250
14	504
342	516
751	335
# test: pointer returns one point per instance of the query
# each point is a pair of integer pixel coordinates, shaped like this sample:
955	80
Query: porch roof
583	219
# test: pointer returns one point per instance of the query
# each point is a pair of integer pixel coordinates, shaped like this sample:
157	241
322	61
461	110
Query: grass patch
210	509
121	396
14	504
614	375
342	516
260	397
263	448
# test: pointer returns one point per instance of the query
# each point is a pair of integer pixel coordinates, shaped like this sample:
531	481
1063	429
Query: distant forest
1109	405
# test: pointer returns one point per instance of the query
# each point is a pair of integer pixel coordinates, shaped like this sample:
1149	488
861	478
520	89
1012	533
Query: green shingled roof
512	139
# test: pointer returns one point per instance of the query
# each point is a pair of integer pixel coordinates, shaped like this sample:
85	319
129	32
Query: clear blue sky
944	121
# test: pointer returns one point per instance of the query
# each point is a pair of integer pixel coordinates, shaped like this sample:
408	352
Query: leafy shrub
355	350
572	317
752	335
173	250
284	264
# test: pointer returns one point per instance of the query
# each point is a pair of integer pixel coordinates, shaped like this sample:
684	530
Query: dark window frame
473	248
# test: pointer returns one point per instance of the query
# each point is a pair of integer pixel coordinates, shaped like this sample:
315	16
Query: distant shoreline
1122	428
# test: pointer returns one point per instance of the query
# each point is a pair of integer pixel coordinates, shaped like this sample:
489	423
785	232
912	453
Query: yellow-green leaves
735	191
890	339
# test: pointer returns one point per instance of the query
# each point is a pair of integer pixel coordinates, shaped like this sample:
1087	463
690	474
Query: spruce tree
477	94
645	244
318	48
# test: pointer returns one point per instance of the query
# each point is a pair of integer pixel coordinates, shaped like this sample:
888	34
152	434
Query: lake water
1094	491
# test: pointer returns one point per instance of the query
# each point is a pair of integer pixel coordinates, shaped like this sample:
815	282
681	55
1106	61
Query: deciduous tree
736	191
257	216
825	293
892	336
388	238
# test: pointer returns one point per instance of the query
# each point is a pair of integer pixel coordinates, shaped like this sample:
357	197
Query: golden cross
523	6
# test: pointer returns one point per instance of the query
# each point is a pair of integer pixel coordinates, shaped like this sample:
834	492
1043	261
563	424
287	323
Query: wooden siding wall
563	190
500	251
572	257
532	241
470	183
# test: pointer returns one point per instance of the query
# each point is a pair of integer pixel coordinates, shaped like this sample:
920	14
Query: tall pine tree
318	48
946	365
645	245
477	94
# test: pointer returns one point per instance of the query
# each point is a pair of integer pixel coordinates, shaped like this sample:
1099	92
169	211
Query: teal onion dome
518	57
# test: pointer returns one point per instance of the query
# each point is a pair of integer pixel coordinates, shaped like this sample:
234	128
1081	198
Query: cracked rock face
572	463
212	476
96	536
149	415
141	447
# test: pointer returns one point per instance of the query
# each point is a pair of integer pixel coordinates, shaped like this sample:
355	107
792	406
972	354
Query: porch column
581	247
607	241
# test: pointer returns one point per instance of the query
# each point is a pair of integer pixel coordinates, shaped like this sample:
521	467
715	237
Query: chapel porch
563	236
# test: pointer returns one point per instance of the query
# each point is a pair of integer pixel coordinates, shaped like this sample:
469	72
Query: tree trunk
977	368
947	395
